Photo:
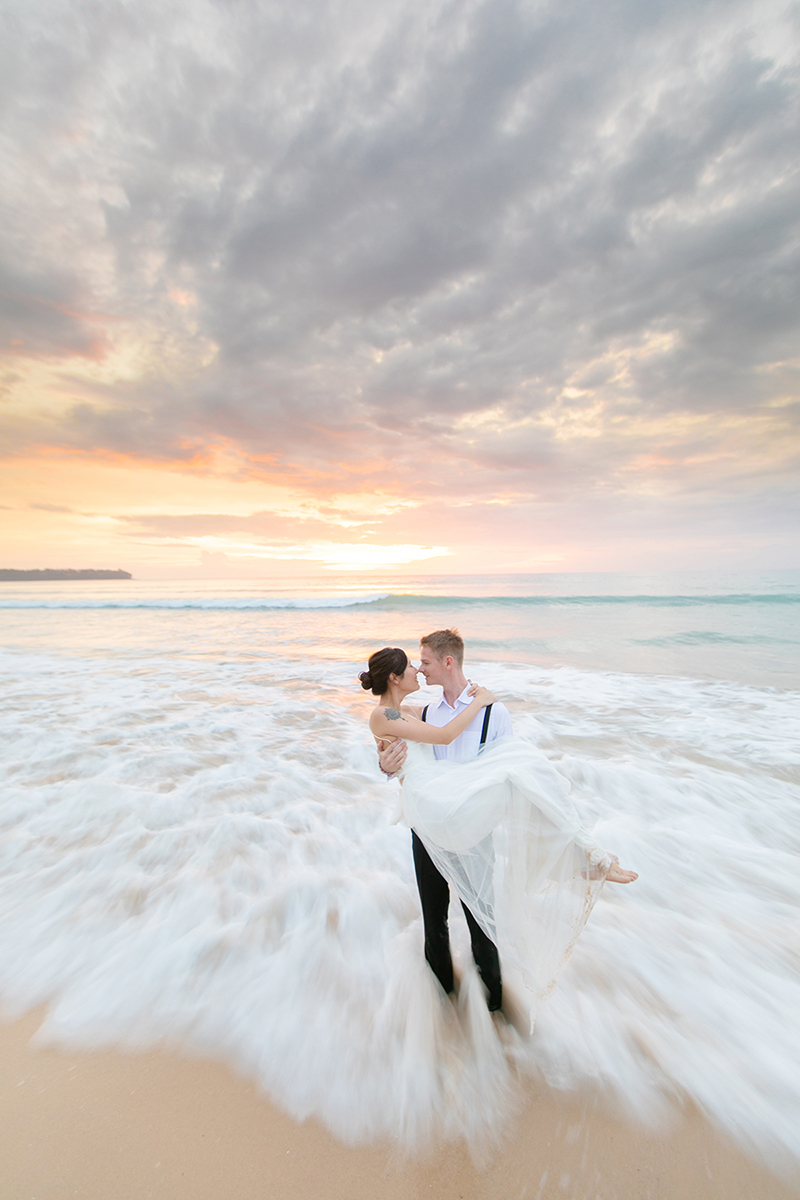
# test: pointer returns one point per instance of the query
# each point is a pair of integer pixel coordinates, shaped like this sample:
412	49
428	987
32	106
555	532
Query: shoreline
156	1124
59	575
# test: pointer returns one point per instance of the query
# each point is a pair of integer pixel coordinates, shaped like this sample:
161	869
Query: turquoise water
743	628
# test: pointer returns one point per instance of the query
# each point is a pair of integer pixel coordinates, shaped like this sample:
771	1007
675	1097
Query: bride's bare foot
618	875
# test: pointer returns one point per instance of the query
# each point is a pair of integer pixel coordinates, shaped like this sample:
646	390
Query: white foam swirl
202	853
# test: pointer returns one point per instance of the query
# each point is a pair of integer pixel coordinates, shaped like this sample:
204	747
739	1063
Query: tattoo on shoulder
392	714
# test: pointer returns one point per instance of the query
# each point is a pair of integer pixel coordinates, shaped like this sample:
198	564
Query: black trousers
434	892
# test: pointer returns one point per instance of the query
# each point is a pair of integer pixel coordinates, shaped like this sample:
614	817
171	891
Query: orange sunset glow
272	305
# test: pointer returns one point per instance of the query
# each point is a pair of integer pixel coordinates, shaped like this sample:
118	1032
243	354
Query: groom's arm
499	723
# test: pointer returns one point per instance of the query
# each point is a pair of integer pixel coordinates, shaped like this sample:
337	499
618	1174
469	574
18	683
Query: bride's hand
482	694
391	755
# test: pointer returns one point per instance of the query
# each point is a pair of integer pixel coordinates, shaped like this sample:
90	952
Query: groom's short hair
443	642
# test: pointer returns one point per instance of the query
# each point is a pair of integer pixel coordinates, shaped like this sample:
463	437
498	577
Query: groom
441	662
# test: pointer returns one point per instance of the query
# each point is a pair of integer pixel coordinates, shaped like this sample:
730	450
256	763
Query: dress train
504	833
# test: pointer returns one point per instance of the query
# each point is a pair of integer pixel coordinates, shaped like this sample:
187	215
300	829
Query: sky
422	286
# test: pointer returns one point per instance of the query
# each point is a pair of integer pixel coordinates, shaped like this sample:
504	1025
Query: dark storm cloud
387	220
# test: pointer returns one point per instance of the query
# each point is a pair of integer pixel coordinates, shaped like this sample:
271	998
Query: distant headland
7	575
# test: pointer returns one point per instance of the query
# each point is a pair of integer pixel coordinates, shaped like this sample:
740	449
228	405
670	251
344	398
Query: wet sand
118	1126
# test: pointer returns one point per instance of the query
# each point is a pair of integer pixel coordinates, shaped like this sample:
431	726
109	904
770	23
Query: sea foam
202	855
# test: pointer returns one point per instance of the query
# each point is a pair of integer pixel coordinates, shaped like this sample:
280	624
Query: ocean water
198	849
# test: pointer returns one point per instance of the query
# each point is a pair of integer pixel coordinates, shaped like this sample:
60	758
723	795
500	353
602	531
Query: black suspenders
485	729
487	714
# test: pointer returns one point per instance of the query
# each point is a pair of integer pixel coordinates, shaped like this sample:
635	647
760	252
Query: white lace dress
504	833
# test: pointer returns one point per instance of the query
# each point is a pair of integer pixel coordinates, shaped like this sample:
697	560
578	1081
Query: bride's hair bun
383	663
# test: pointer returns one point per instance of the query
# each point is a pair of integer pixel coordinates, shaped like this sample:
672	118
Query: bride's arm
391	723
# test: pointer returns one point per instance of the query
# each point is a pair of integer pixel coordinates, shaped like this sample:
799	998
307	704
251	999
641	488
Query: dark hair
382	664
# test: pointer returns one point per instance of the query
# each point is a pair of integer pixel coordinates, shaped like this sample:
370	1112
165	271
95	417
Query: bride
500	828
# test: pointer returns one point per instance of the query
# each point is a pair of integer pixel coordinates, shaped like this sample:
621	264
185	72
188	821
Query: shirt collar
464	698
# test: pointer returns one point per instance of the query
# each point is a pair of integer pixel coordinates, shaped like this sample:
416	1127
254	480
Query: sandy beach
134	1126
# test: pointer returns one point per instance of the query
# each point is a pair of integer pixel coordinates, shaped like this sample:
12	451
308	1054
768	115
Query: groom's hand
391	756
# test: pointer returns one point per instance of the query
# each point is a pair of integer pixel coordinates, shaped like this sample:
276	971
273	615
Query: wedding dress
503	832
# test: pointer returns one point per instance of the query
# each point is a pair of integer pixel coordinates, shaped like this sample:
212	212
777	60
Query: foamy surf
202	855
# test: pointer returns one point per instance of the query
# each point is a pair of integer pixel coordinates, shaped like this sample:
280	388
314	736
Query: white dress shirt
467	744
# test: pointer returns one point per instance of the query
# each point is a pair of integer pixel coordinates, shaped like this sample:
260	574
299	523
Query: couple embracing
490	818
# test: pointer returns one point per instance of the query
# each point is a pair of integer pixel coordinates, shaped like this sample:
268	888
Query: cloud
258	525
267	536
35	324
543	250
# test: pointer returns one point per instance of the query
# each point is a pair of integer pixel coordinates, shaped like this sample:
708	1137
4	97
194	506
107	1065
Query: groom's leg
487	961
434	894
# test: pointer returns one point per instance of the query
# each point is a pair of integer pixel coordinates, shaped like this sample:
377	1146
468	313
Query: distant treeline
7	575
